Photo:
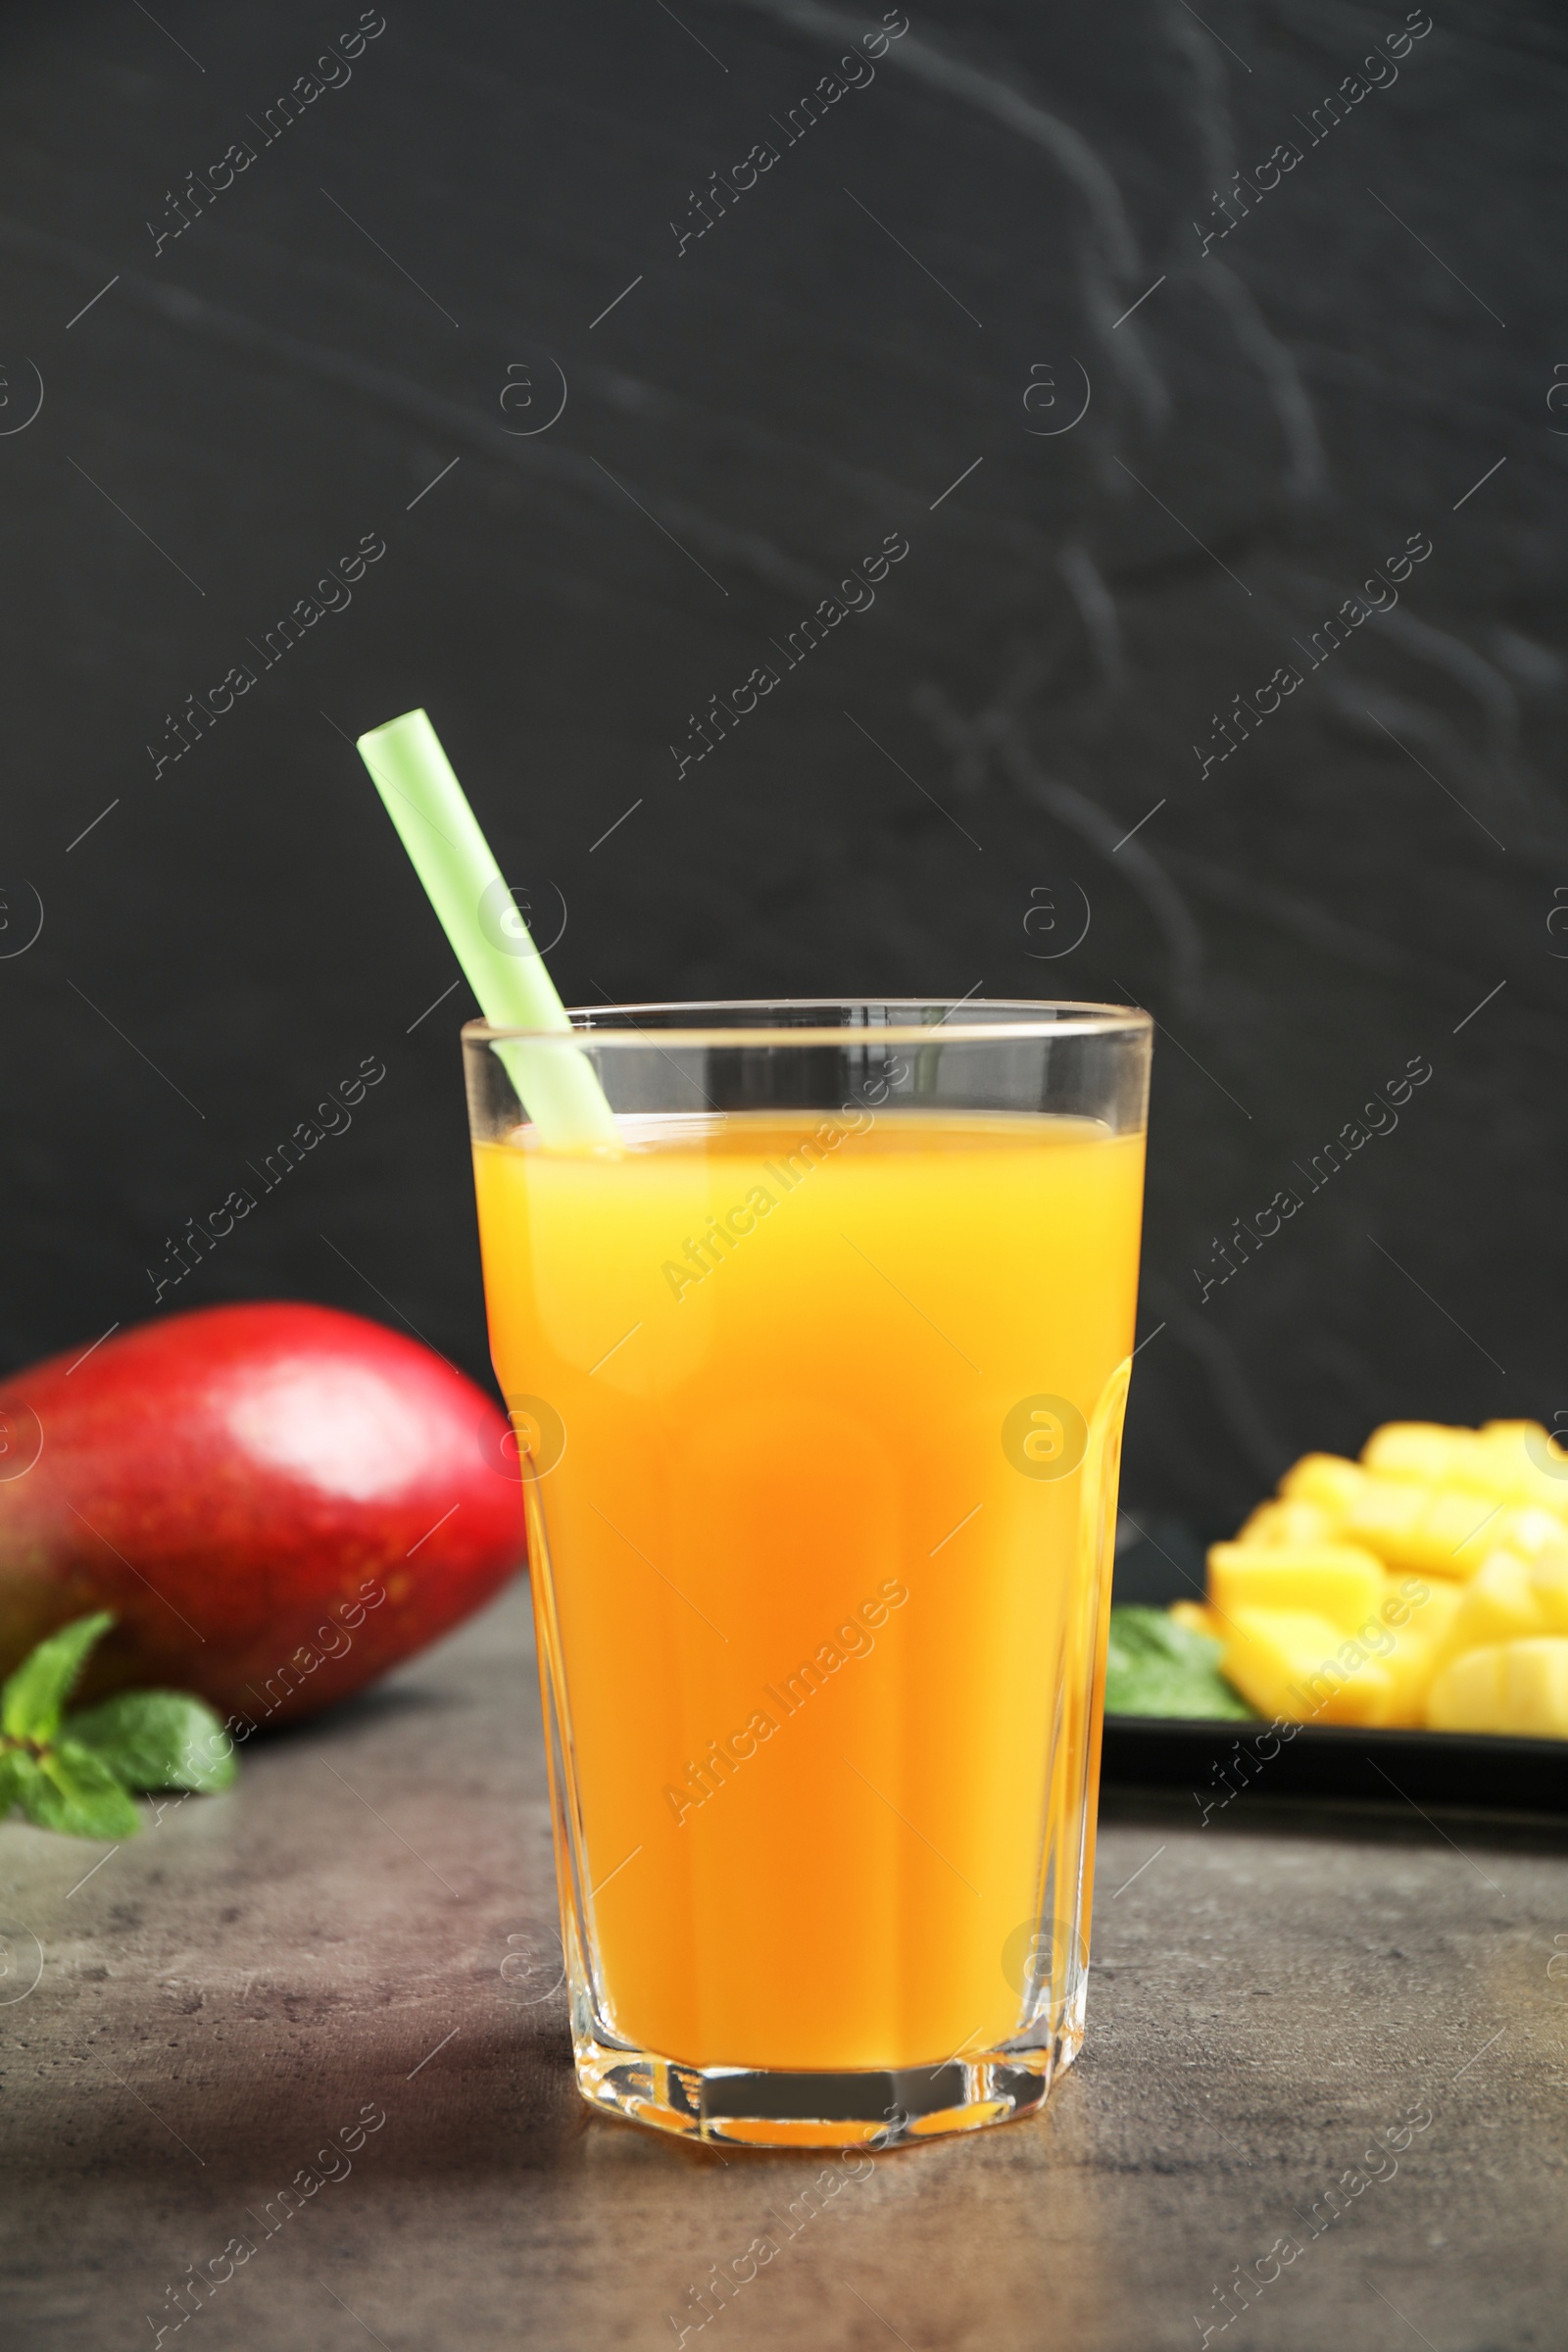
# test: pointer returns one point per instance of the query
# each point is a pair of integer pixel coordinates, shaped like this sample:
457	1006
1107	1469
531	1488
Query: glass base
756	2107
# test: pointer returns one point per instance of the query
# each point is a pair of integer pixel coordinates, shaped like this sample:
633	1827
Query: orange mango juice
807	1583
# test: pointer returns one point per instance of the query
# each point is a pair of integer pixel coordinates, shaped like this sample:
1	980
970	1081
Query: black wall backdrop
1196	359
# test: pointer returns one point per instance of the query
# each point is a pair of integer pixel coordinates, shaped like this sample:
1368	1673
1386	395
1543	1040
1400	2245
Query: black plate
1217	1761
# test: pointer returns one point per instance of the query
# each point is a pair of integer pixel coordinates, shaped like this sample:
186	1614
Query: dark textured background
235	935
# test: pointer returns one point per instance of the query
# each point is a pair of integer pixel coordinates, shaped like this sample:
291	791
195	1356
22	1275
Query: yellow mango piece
1337	1581
1511	1460
1429	1618
1382	1514
1530	1532
1505	1434
1548	1582
1498	1604
1519	1686
1467	1694
1410	1664
1269	1651
1288	1522
1524	1529
1457	1531
1526	1462
1418	1629
1293	1664
1423	1450
1534	1687
1434	1530
1198	1618
1325	1479
1418	1613
1406	1636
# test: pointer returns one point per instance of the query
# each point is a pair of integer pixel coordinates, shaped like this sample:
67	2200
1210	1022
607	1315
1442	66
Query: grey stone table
260	1978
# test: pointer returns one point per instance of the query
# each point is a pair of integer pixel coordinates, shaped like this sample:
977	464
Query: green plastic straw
559	1090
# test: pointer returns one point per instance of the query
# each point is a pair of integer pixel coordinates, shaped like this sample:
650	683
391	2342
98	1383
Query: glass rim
1038	1020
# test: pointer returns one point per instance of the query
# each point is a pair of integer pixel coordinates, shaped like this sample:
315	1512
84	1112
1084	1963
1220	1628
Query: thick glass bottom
755	2107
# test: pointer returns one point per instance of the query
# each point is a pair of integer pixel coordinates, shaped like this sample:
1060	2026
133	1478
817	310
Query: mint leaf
67	1787
76	1780
1156	1667
32	1699
157	1739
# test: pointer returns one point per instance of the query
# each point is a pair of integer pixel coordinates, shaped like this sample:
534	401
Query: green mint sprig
75	1773
1155	1666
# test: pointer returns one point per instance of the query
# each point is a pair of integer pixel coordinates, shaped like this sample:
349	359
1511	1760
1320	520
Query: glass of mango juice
818	1375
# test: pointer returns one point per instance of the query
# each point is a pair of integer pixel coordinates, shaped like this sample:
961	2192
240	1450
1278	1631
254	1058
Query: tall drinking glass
818	1387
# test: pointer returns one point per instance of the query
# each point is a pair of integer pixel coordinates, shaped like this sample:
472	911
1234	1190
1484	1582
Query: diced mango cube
1439	1531
1429	1618
1535	1688
1498	1604
1337	1581
1293	1664
1423	1450
1199	1618
1519	1686
1409	1665
1549	1580
1418	1629
1288	1522
1511	1460
1524	1529
1467	1694
1457	1530
1527	1462
1384	1513
1325	1479
1530	1532
1515	1435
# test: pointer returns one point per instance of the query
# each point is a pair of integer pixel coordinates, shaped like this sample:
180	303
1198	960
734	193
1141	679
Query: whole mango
277	1501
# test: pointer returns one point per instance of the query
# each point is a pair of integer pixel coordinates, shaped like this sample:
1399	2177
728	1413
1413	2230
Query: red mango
278	1502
